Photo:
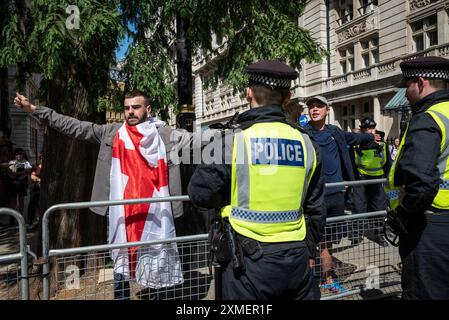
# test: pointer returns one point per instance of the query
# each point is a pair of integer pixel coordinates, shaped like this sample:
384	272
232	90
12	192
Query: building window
346	59
367	6
345	11
366	108
370	51
424	33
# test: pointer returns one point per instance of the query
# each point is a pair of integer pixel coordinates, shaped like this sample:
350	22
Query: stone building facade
366	40
26	131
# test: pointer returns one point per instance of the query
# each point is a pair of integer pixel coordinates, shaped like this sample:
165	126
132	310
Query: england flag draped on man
139	170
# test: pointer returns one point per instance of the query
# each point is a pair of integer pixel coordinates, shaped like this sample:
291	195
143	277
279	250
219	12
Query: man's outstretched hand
22	103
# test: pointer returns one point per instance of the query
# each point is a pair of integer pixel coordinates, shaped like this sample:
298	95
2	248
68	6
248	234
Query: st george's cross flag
139	170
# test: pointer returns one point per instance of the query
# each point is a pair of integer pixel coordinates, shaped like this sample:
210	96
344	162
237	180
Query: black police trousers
370	197
279	273
425	257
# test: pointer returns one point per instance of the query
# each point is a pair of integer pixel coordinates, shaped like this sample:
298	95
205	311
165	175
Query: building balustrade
365	73
383	69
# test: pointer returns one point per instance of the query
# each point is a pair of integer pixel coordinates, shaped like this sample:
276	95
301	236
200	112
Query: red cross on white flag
139	170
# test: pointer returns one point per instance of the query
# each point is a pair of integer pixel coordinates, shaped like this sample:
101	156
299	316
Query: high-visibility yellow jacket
272	164
370	162
440	113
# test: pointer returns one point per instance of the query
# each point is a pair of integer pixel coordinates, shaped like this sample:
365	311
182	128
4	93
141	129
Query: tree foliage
36	39
253	30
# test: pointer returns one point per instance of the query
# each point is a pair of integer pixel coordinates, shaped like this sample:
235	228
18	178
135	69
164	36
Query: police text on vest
274	151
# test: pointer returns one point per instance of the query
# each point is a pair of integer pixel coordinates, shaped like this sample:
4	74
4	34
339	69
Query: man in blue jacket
337	165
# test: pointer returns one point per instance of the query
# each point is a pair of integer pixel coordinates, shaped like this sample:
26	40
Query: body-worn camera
395	225
219	242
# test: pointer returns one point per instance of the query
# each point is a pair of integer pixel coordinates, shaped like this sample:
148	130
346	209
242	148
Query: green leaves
152	74
38	40
252	30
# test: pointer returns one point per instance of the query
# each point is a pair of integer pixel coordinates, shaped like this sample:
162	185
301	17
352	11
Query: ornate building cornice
418	4
371	23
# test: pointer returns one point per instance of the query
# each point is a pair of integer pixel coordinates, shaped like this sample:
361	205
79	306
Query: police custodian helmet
367	123
271	73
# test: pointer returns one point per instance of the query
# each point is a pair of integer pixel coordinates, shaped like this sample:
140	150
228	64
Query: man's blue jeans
121	287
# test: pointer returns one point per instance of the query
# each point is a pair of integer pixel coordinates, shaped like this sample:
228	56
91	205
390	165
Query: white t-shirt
17	166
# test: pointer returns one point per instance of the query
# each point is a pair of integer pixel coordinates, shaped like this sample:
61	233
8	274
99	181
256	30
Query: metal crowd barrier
10	276
95	265
88	272
358	262
362	262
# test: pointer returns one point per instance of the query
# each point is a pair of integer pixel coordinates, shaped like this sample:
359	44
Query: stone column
358	113
443	26
376	113
331	116
198	101
358	56
355	8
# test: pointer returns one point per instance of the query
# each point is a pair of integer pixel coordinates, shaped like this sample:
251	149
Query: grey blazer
103	135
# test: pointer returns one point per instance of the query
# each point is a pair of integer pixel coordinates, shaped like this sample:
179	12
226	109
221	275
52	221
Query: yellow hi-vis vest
440	113
272	164
369	162
390	188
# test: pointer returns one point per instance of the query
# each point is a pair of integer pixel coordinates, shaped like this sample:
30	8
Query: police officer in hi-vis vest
418	182
269	192
372	160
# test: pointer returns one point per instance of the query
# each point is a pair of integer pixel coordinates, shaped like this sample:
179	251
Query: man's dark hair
265	95
137	93
293	111
19	151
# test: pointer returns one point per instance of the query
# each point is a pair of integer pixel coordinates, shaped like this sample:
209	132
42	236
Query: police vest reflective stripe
272	164
440	113
370	162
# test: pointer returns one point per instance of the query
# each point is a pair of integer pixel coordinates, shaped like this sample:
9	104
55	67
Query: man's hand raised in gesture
22	103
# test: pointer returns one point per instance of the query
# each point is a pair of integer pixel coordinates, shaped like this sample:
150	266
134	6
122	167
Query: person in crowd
19	171
418	182
371	161
394	147
337	165
35	191
135	160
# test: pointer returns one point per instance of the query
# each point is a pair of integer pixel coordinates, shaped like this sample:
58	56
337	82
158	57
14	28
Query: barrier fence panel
355	259
14	267
89	272
190	254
